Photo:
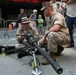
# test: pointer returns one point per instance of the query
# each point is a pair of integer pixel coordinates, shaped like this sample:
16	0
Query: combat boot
59	50
46	62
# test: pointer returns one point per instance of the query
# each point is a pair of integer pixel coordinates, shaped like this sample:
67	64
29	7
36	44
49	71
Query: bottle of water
3	52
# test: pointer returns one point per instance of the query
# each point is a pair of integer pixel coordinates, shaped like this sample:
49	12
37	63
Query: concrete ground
11	65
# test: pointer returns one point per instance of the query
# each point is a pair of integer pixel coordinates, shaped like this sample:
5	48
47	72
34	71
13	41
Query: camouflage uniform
22	31
60	37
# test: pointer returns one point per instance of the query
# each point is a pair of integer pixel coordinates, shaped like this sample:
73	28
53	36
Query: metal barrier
10	32
3	27
1	19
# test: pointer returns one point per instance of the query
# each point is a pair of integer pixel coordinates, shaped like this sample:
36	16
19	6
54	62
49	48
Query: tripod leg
36	70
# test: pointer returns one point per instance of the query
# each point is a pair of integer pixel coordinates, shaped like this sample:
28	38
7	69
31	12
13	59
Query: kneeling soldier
22	30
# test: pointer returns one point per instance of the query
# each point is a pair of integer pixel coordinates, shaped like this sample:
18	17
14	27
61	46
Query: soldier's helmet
44	5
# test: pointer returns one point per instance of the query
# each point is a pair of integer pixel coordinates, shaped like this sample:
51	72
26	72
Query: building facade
9	9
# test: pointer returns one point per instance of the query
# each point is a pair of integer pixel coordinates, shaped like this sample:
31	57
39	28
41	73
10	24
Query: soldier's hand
44	39
20	38
46	33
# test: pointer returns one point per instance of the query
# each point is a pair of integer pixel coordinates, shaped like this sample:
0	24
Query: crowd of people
60	23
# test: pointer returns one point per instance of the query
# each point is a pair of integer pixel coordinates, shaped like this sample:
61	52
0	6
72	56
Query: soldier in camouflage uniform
22	30
57	32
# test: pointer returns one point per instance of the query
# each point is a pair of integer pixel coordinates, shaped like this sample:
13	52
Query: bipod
34	62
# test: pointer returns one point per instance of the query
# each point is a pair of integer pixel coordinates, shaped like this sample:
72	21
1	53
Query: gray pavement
11	65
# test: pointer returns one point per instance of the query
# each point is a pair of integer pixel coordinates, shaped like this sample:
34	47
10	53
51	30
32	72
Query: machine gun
31	40
33	46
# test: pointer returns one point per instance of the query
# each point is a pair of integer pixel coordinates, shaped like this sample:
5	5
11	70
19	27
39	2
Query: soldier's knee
51	35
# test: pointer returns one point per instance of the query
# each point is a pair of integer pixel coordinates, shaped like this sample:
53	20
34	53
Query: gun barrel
56	67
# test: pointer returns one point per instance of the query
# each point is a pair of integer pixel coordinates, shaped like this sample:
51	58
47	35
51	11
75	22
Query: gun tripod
34	62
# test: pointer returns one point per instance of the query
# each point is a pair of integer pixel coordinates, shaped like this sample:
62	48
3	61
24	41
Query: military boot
46	62
59	50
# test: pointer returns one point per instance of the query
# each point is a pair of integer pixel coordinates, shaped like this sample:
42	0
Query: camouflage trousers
54	39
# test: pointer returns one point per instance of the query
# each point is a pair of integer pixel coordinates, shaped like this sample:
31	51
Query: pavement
12	65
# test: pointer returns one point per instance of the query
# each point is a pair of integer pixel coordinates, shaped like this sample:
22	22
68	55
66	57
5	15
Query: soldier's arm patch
58	21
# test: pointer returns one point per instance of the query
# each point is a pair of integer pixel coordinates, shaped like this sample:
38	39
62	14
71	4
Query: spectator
33	18
22	14
63	6
40	24
14	25
70	19
60	9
